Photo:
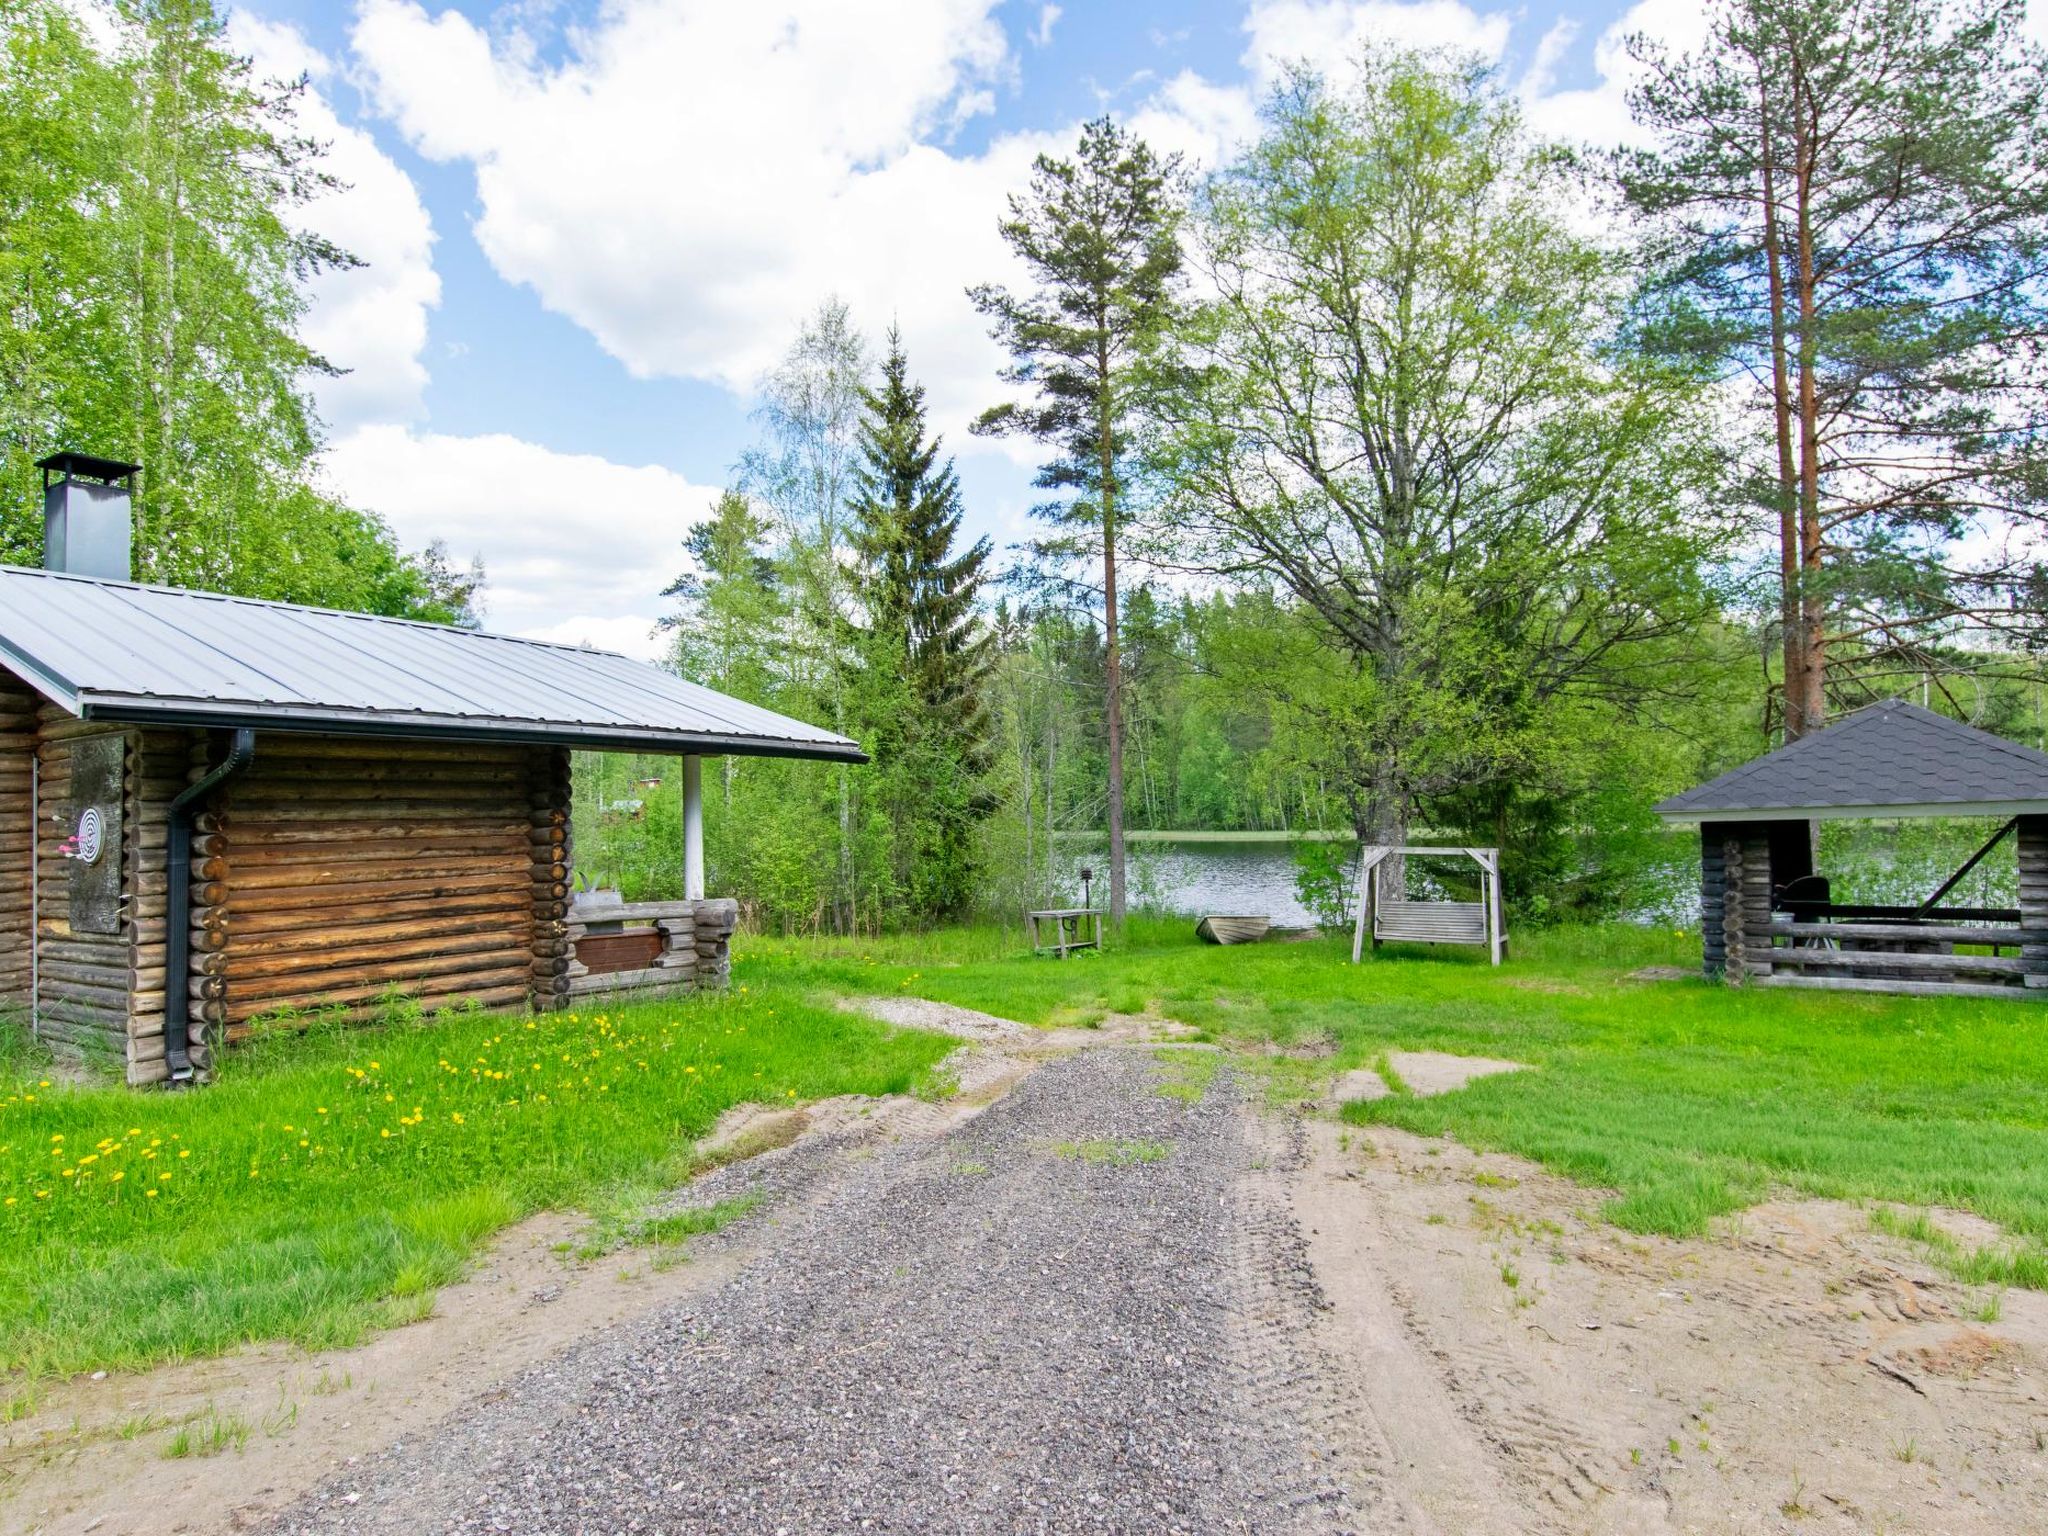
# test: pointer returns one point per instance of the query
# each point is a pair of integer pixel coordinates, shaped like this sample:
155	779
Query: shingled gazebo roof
1891	759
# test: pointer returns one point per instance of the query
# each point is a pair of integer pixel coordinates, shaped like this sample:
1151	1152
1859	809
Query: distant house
214	809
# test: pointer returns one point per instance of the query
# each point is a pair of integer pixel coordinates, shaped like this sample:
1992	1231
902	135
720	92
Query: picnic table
1066	929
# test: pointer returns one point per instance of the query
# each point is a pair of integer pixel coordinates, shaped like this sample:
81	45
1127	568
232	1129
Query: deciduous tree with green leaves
152	279
1099	236
1407	405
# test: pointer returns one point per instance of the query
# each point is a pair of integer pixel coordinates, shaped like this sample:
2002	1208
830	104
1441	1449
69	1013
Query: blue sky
590	226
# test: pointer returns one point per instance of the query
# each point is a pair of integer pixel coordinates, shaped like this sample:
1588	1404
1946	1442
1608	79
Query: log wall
1941	952
2032	835
18	707
1735	898
553	859
334	873
160	764
338	871
82	978
688	944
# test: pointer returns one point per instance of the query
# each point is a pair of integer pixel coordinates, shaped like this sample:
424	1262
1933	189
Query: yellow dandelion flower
147	1194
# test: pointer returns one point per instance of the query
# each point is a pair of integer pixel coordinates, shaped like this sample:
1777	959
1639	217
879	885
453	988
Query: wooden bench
1398	920
1430	922
1066	930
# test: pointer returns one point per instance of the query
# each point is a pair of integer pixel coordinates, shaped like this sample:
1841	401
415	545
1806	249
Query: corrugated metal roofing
1888	759
114	650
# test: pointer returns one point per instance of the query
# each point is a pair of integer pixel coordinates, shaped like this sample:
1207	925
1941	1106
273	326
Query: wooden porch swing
1399	920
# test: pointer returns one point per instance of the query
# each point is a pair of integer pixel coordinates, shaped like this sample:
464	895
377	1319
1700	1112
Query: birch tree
1407	407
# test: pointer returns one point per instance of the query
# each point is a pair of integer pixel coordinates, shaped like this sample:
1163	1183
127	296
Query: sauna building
215	809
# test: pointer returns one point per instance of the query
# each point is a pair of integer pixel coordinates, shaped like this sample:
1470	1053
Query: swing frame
1480	922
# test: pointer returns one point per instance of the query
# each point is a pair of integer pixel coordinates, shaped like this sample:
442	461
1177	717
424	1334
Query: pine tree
1099	236
920	639
1853	201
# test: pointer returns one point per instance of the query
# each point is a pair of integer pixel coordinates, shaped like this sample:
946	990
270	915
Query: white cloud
1541	74
687	180
1193	117
1041	35
1599	114
1329	33
576	548
370	320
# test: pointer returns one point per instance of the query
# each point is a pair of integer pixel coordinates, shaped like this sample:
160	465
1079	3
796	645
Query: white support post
693	829
1369	862
1496	939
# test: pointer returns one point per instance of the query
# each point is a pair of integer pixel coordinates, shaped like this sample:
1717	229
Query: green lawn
329	1183
1689	1099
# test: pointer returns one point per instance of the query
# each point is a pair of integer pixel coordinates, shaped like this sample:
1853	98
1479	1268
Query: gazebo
1767	916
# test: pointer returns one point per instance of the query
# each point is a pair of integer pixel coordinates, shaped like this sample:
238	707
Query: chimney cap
84	464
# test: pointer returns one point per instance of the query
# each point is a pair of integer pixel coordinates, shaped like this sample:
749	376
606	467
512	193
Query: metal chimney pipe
88	516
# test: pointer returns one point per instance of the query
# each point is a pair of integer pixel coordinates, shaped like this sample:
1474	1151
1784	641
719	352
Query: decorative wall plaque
94	844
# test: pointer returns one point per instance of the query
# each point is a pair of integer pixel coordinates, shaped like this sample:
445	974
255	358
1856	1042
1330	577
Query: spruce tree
916	594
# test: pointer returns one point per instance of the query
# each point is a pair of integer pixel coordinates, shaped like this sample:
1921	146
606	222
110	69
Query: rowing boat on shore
1232	930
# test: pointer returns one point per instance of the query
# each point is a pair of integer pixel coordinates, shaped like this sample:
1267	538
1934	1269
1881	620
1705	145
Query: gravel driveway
1079	1312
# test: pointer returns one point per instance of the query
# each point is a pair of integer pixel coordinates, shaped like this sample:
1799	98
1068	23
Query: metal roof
1887	759
116	650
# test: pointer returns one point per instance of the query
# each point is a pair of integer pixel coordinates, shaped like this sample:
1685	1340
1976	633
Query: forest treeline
1402	471
153	279
1409	471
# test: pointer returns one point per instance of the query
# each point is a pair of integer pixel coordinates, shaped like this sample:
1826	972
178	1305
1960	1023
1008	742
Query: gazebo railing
1797	937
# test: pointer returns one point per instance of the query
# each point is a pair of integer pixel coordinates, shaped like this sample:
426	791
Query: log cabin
216	810
1768	916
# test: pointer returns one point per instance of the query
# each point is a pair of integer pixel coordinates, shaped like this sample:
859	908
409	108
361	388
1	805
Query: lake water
1893	863
1233	878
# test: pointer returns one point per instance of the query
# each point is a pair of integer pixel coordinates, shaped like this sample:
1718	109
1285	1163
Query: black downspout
178	906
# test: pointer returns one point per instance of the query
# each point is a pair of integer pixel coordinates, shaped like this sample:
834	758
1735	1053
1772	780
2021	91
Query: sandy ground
1797	1373
1487	1356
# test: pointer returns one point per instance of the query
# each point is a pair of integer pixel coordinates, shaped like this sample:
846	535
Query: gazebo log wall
1955	951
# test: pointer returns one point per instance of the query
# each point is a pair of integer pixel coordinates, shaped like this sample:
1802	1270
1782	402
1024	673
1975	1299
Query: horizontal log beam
1940	933
1852	959
1901	986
